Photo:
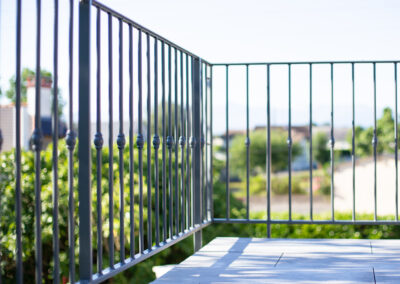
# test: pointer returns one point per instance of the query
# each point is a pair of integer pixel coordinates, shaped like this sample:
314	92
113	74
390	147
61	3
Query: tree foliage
258	152
321	153
27	74
385	133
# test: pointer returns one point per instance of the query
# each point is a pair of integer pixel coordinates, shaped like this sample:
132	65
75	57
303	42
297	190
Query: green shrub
280	184
142	272
258	185
7	200
258	152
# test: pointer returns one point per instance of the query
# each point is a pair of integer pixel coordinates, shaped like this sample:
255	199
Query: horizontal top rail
306	62
125	19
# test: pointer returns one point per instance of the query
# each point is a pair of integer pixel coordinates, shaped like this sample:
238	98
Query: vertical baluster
55	195
289	140
163	130
37	145
211	145
131	150
98	143
156	144
396	150
206	186
140	144
18	191
169	146
375	144
176	132
247	144
196	149
71	142
192	140
192	144
85	154
110	143
149	207
227	178
121	146
311	146
187	129
202	142
332	145
182	142
203	139
353	144
268	154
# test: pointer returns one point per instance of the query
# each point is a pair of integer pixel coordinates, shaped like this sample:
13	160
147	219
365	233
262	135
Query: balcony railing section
152	151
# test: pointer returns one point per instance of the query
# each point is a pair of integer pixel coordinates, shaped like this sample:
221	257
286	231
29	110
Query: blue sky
228	31
257	30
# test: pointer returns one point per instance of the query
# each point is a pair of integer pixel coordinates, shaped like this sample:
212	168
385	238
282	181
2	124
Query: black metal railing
331	64
182	90
178	197
164	154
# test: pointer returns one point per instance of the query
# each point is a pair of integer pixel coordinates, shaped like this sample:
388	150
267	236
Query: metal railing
178	197
182	192
179	191
246	143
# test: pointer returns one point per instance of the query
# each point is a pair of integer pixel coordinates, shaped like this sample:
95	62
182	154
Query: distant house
301	135
8	115
8	124
340	135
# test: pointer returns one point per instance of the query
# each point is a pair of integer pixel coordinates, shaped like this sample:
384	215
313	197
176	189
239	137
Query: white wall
364	184
45	101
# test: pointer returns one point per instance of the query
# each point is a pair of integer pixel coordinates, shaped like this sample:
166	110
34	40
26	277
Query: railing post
196	149
84	154
211	146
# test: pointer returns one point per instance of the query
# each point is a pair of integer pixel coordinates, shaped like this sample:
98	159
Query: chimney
45	96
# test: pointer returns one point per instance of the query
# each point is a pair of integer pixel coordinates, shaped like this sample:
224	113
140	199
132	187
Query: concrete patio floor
252	260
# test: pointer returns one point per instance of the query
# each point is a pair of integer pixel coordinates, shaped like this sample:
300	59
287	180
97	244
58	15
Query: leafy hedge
141	273
280	184
7	213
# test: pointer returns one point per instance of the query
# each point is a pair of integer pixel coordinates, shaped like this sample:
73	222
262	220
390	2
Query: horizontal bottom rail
129	262
306	222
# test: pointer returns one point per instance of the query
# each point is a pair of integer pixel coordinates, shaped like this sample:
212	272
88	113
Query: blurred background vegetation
141	273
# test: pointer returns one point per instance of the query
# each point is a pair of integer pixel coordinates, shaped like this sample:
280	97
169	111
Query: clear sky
240	31
259	30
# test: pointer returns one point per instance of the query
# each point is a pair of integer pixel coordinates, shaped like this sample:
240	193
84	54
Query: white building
8	126
8	117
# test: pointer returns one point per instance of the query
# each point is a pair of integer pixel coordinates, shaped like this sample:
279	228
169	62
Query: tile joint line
276	263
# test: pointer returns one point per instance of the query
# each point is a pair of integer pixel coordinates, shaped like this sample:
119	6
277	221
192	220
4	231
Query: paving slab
256	260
